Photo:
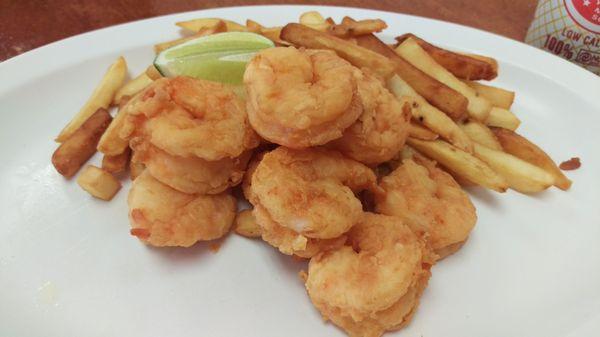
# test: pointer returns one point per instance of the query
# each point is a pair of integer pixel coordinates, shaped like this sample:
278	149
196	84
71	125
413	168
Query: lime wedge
220	57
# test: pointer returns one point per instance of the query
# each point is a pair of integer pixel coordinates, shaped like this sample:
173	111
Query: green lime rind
220	57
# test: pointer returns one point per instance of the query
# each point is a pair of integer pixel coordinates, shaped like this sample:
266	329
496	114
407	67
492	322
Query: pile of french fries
465	125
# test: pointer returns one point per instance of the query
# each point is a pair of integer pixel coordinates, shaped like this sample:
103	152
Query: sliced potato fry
523	148
315	20
77	149
359	56
430	116
116	164
101	98
271	33
503	118
460	65
132	87
435	92
497	96
111	143
350	27
245	224
219	27
198	24
520	175
98	183
478	107
135	168
461	162
420	132
481	134
153	73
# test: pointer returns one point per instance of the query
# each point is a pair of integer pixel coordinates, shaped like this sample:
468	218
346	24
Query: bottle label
569	29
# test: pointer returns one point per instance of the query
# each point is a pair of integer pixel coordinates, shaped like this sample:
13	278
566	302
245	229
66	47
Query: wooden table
27	24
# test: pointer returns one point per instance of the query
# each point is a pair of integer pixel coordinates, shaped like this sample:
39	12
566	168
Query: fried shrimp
374	284
301	98
162	216
188	117
431	202
310	193
381	130
191	175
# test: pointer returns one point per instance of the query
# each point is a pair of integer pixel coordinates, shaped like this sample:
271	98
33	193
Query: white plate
68	266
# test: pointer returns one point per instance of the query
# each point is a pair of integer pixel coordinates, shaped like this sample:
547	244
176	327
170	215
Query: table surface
28	24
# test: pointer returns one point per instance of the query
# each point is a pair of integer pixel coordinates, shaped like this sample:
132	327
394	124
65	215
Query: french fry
98	183
420	132
503	118
481	134
198	24
478	107
77	149
101	98
245	224
132	87
520	175
461	162
521	147
116	164
271	33
219	27
350	27
111	143
438	94
361	57
315	20
430	116
135	168
153	73
497	96
460	65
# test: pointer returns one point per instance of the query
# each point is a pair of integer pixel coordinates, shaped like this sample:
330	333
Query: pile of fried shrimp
351	154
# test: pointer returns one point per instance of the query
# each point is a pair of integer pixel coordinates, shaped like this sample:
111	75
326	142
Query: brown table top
27	24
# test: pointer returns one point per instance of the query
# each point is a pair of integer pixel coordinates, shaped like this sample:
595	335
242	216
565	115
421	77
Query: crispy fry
198	24
153	73
478	107
271	33
350	27
460	65
111	144
520	175
499	97
135	167
75	151
98	183
521	147
219	27
315	20
503	118
132	87
116	164
481	134
438	94
360	57
101	98
461	162
245	224
418	131
430	116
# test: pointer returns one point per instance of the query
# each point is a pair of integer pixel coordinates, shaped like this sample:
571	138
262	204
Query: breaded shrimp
381	130
301	98
431	202
190	175
189	117
162	216
308	192
374	284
